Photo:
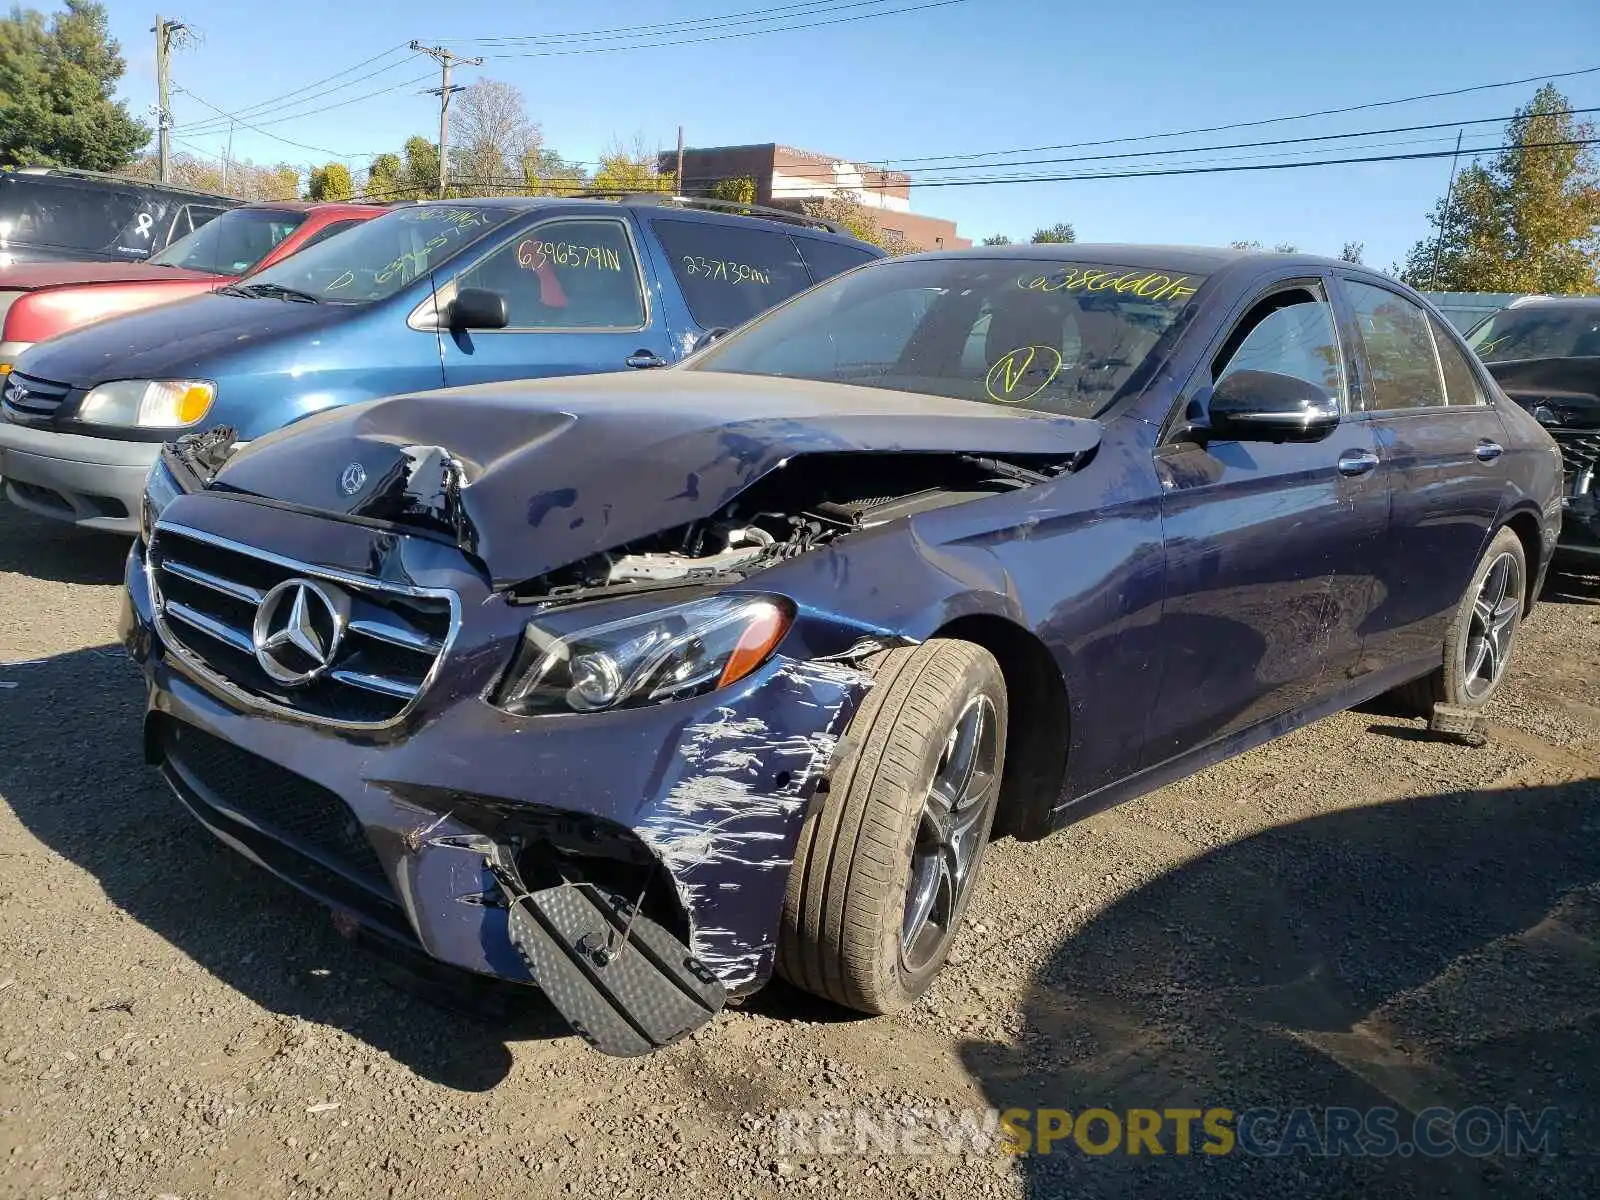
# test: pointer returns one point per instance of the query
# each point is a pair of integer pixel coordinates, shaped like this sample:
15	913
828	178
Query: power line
275	136
260	107
216	126
688	25
723	37
1326	112
1177	150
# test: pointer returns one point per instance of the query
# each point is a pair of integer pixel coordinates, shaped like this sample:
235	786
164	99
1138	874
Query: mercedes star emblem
353	477
297	630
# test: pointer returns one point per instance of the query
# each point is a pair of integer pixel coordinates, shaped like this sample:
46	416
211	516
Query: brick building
785	177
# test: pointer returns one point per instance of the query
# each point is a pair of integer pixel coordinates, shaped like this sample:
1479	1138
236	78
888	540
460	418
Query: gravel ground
1354	915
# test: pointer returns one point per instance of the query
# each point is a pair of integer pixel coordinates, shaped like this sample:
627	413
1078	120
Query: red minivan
40	300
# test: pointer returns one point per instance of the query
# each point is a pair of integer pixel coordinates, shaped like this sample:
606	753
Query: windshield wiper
275	290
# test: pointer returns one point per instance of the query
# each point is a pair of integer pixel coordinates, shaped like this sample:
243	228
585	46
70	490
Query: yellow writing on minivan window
343	281
533	254
1147	285
725	270
1021	374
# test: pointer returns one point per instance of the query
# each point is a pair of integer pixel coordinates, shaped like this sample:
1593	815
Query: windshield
1063	337
376	259
232	243
1565	332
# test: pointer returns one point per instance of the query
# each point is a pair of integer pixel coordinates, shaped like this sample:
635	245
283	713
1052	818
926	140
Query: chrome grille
1580	455
28	397
208	591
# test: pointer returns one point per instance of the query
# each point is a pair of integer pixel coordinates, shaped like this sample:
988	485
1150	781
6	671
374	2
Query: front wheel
1478	643
889	853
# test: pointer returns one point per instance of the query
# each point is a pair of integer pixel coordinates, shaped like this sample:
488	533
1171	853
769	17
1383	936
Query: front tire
888	855
1479	641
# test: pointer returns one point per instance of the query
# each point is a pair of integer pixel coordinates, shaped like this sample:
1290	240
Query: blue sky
966	77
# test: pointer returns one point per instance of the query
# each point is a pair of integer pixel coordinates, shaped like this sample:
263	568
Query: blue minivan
432	295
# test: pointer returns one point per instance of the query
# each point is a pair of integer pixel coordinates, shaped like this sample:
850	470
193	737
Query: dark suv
49	214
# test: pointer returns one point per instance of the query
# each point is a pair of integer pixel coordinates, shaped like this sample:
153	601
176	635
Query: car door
1441	445
575	300
1266	542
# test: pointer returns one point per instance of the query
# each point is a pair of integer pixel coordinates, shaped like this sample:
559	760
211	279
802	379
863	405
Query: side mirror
1263	406
478	308
709	336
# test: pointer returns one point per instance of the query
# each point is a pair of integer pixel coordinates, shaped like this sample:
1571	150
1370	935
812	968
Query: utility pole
446	60
227	158
164	31
680	160
1444	216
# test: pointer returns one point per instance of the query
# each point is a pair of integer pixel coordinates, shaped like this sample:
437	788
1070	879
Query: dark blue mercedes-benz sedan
639	688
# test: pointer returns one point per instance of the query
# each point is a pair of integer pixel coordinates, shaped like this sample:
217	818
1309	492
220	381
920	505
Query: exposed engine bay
802	507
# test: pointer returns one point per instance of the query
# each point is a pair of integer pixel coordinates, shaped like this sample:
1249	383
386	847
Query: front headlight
148	403
160	490
644	659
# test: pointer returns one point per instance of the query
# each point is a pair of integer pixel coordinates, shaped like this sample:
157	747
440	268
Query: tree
491	135
384	176
1528	220
1059	233
623	170
1000	239
1352	252
56	88
739	190
546	173
331	182
1281	247
242	178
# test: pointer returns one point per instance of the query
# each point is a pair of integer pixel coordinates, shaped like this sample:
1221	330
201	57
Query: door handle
645	358
1357	462
1488	451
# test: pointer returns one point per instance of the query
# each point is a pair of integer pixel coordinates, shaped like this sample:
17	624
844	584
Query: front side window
383	256
1517	333
1290	333
729	273
233	243
565	275
1402	365
1039	334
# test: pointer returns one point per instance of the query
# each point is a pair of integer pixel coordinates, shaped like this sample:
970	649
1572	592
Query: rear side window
1402	365
1460	381
730	273
46	213
827	259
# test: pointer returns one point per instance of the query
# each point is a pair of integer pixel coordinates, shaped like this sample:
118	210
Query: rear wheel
888	856
1478	643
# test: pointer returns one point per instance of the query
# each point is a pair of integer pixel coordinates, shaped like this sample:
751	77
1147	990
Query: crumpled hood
536	475
184	340
32	276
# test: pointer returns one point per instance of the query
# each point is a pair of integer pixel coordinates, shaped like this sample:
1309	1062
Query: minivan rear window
44	212
827	259
383	255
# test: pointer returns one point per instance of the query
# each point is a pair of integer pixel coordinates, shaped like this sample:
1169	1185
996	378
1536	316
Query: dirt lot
1354	915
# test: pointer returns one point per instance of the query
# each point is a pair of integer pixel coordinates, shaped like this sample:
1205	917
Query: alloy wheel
950	833
1492	626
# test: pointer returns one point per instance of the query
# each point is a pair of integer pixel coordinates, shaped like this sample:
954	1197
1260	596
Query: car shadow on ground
1433	951
75	776
40	548
1567	586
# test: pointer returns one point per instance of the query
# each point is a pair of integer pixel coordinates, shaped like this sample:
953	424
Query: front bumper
401	828
94	482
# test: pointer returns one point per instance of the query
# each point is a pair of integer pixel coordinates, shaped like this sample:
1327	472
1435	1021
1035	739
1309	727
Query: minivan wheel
1478	643
889	853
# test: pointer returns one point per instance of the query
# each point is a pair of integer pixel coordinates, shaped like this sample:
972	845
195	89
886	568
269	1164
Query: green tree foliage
546	173
1281	247
412	174
1060	233
331	182
243	178
383	177
624	170
740	190
56	84
845	210
1528	220
997	239
1352	252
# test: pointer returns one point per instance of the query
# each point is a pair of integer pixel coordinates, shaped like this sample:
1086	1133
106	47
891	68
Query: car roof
1202	260
665	205
1527	302
317	206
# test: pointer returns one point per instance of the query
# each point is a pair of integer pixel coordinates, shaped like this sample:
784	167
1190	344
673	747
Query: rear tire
1481	635
888	855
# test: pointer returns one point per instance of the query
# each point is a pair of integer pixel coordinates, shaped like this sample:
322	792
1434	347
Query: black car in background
1545	354
51	214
